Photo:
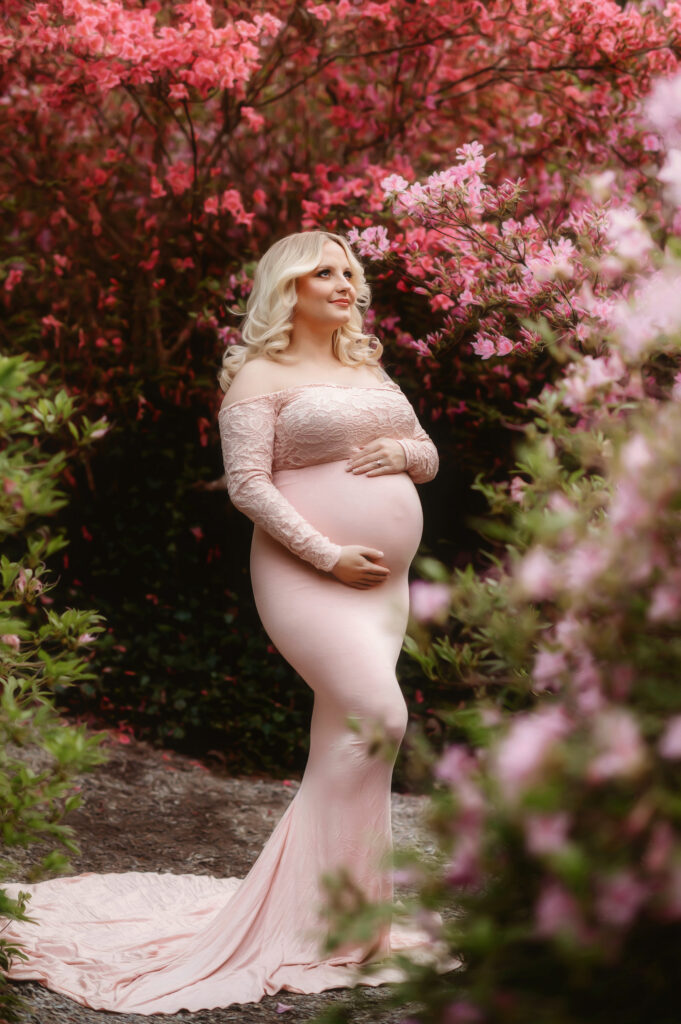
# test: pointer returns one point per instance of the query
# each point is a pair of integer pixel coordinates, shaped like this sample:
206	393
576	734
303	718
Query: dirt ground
151	810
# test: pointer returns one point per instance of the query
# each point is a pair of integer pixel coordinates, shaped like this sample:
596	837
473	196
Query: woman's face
325	296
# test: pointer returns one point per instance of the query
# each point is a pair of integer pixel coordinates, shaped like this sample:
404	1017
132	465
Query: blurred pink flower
12	640
619	898
654	310
621	752
517	490
464	866
13	278
557	913
660	848
568	631
628	508
584	563
670	741
589	375
462	1012
524	750
662	107
600	185
636	454
455	765
536	573
670	175
628	235
548	666
180	177
546	833
429	601
665	604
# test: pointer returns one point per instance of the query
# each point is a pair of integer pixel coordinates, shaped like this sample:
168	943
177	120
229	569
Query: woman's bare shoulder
255	378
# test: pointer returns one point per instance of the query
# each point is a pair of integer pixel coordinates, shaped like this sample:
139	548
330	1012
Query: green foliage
41	652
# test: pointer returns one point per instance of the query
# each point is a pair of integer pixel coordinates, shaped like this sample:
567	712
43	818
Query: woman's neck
311	346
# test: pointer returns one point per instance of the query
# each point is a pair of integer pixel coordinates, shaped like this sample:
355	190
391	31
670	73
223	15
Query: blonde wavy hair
268	322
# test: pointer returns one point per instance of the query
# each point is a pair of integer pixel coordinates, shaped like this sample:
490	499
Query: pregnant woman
321	451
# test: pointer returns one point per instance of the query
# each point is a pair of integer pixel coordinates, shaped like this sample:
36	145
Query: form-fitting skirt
157	943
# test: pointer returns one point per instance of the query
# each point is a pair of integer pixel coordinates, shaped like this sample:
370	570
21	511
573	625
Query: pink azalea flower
464	866
628	235
429	601
178	91
670	174
655	310
536	573
665	604
548	667
394	183
455	765
628	508
670	742
13	278
660	848
621	752
462	1012
662	106
584	563
483	346
180	177
619	898
636	454
546	833
524	750
517	489
557	913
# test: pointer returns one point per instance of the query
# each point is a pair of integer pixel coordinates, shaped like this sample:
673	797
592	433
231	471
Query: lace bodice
304	426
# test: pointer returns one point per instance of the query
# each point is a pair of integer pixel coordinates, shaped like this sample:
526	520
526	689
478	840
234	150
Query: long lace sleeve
421	455
247	437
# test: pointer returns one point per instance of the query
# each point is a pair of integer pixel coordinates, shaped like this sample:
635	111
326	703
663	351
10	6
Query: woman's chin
342	316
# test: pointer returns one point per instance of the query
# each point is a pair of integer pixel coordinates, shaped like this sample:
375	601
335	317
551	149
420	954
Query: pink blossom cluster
461	242
107	44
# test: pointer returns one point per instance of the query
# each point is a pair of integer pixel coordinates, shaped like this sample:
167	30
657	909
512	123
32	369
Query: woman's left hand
384	455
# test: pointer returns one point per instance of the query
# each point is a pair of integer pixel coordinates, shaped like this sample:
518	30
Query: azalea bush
556	812
40	651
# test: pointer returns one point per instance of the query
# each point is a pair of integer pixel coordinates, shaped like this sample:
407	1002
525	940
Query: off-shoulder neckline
319	384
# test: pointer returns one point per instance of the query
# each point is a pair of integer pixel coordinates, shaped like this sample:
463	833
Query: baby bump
382	512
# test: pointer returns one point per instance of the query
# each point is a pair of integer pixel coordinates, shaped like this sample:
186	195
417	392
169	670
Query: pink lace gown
158	943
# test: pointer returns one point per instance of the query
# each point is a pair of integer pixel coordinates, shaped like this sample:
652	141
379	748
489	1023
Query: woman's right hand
357	567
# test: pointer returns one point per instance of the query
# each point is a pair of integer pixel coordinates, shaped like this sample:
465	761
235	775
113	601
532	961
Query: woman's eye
348	274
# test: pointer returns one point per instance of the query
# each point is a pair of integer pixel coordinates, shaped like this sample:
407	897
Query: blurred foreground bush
557	811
